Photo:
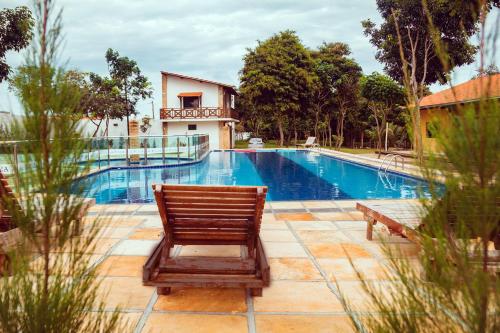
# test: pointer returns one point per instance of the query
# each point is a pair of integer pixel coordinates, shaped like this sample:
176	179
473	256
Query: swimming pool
289	174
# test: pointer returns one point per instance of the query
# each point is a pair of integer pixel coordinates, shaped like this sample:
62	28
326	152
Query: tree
251	117
382	95
55	292
276	79
16	27
346	93
102	101
491	69
128	78
322	99
406	44
336	87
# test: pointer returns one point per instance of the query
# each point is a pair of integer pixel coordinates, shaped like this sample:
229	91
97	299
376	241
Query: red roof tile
473	90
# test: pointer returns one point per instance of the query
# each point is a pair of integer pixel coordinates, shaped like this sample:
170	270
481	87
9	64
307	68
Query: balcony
197	113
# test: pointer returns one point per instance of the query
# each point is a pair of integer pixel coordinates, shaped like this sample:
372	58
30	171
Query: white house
198	106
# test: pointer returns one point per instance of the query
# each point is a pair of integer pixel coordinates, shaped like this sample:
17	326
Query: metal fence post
16	166
178	156
109	160
146	151
99	154
163	149
196	148
126	150
189	147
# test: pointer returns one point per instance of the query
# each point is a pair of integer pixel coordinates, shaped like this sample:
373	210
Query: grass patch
243	144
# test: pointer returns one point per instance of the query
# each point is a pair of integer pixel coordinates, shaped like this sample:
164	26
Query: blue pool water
290	175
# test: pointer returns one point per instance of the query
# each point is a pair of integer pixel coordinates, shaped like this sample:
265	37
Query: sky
204	38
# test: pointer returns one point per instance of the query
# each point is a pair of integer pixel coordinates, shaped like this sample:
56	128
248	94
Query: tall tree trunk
316	122
98	125
282	135
329	135
379	136
340	128
362	139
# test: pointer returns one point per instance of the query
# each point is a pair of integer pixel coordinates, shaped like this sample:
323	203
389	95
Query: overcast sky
204	38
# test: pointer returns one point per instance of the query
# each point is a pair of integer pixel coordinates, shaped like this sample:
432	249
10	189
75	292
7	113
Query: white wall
176	85
118	127
202	127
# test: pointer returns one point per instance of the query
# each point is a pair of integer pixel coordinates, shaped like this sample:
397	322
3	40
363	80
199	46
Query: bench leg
163	290
369	228
256	291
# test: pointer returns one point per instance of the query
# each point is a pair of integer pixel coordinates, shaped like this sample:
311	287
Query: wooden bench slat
211	205
210	215
206	200
219	211
209	235
208	265
210	188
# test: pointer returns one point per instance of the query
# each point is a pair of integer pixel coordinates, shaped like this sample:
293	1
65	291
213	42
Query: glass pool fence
121	151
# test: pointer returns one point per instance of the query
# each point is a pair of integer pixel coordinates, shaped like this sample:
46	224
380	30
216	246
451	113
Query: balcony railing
196	113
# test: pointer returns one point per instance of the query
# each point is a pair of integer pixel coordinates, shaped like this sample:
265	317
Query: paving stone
341	250
200	323
134	247
130	266
126	292
293	269
203	300
294	216
147	233
284	250
302	324
292	296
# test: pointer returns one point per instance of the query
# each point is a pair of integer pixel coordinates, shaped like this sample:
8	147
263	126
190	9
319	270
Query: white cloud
205	38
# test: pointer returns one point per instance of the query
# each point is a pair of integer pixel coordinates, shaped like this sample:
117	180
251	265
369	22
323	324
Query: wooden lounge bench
310	143
405	218
402	218
209	215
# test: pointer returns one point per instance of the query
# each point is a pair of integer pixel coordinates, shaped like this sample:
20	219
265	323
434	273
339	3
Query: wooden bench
405	218
402	218
209	215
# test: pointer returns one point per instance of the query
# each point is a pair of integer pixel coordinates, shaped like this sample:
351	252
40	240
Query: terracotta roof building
436	108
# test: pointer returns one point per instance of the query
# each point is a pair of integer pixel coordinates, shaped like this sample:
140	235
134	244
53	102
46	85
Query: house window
431	128
191	127
190	102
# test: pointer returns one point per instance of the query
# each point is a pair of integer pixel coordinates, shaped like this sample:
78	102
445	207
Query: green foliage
16	27
377	87
276	79
55	292
492	69
127	76
100	100
457	21
336	90
383	95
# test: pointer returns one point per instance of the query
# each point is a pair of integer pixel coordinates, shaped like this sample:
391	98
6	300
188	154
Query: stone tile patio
307	243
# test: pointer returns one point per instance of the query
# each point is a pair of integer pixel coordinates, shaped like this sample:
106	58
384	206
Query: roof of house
201	80
467	92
